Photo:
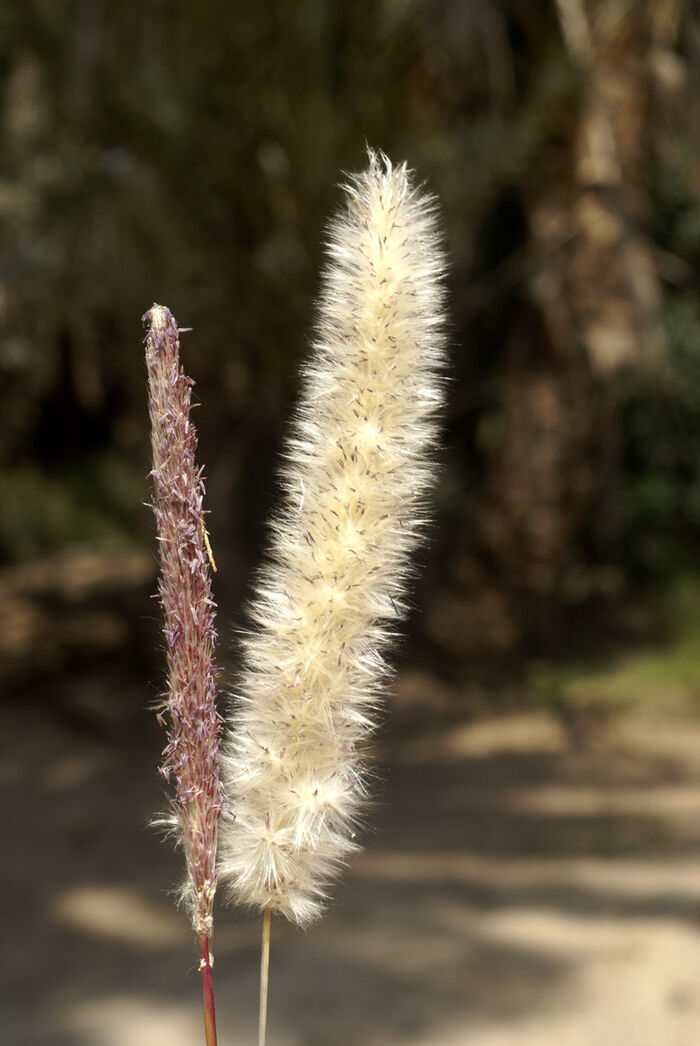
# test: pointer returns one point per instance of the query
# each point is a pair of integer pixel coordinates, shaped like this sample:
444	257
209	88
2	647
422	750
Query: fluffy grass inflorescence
358	465
191	756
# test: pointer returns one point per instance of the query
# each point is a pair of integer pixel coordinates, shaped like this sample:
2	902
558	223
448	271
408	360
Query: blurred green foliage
189	154
660	480
659	413
89	502
659	674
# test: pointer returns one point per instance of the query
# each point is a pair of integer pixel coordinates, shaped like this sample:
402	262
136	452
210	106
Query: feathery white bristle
357	467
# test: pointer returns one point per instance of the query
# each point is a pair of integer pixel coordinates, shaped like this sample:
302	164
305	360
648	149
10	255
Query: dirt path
512	892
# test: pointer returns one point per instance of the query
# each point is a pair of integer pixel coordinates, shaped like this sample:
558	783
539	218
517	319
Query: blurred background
533	864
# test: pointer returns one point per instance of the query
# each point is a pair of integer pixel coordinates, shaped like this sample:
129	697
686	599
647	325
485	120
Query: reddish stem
208	993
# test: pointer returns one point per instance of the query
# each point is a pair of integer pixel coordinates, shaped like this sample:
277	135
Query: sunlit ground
520	884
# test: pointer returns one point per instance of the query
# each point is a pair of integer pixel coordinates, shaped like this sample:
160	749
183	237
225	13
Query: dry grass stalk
358	465
191	756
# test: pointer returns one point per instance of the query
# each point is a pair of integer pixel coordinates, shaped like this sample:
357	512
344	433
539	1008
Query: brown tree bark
593	309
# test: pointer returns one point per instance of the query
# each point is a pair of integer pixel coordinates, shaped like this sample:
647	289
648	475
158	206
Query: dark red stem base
208	994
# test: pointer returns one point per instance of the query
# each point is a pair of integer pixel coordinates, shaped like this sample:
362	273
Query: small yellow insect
210	554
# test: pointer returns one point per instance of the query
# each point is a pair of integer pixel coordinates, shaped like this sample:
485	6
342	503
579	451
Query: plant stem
208	993
264	971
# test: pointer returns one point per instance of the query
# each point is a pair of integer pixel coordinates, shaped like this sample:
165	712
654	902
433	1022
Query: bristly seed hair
358	465
191	756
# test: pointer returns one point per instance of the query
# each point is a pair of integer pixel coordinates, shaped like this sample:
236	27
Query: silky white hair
357	466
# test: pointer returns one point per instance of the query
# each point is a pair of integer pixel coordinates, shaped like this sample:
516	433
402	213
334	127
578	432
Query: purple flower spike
191	756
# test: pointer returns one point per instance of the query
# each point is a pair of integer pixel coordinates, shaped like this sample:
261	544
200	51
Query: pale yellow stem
264	972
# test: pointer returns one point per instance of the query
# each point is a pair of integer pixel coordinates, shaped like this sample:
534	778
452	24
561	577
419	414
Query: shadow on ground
511	890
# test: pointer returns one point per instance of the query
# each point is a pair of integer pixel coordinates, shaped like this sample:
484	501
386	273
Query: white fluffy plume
357	469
